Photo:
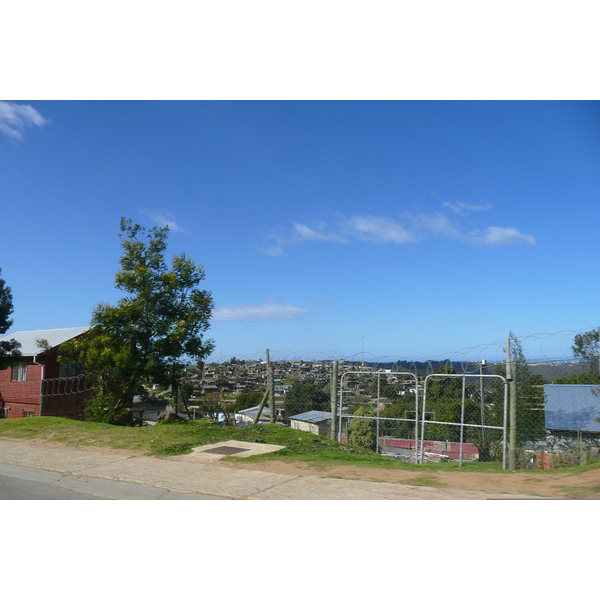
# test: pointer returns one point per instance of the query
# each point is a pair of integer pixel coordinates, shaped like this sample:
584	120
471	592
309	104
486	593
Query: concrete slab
206	455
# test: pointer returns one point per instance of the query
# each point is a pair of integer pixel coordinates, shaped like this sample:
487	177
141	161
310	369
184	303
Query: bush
107	408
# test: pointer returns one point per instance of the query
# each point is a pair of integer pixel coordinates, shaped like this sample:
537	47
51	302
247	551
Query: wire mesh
389	419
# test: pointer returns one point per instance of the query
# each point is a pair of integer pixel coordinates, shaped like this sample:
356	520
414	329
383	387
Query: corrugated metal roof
53	336
312	416
572	407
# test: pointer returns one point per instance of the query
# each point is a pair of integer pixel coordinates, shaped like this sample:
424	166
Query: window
19	371
28	413
69	369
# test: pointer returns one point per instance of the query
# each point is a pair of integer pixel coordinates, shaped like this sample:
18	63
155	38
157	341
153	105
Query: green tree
305	396
585	346
517	355
9	349
530	415
144	338
247	400
580	379
362	431
402	407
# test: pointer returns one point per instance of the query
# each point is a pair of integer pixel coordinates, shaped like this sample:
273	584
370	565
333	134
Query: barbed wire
537	347
65	386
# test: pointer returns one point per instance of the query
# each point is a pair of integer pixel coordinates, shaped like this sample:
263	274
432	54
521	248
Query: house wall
303	426
316	428
21	396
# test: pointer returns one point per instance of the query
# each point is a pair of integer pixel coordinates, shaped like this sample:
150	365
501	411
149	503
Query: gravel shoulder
535	483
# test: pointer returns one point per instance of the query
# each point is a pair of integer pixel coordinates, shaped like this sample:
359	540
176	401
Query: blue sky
424	226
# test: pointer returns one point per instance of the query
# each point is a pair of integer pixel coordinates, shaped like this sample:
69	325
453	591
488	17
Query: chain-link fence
484	403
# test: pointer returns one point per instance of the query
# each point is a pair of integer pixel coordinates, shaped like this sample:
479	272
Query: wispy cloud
435	223
316	233
268	311
464	207
14	118
378	230
272	251
406	228
500	236
163	219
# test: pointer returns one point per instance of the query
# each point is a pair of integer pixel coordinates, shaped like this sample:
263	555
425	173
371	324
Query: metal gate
412	419
461	412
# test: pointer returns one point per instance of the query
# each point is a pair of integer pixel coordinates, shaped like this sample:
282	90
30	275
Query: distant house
247	416
36	383
314	421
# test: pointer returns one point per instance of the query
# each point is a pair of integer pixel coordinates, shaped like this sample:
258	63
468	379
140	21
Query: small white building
314	421
247	416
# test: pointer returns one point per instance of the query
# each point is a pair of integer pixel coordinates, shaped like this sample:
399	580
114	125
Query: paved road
28	483
15	488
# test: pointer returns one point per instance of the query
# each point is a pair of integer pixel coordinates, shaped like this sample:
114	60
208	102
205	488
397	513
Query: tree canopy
305	396
9	349
361	432
585	346
144	338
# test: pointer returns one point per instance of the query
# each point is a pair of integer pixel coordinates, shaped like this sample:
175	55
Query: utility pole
363	350
333	385
511	377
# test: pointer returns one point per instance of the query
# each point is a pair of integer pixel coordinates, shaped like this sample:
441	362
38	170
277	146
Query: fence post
264	398
511	377
271	388
377	414
261	406
333	385
513	414
508	369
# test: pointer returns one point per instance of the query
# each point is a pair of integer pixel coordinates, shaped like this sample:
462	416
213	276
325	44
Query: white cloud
305	233
378	230
15	117
463	207
407	229
268	311
164	219
436	223
500	236
272	251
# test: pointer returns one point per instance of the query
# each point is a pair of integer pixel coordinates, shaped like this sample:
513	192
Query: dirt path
536	483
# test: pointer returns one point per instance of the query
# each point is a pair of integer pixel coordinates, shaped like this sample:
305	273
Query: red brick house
36	383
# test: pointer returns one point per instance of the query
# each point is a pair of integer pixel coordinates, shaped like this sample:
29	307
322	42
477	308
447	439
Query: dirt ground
547	484
531	482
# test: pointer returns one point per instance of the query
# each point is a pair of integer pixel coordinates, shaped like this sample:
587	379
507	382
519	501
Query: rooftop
54	337
312	416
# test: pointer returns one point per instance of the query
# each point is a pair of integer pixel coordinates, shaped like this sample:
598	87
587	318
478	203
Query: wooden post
333	385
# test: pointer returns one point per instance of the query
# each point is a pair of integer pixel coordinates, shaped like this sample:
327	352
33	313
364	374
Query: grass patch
180	437
580	492
425	480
